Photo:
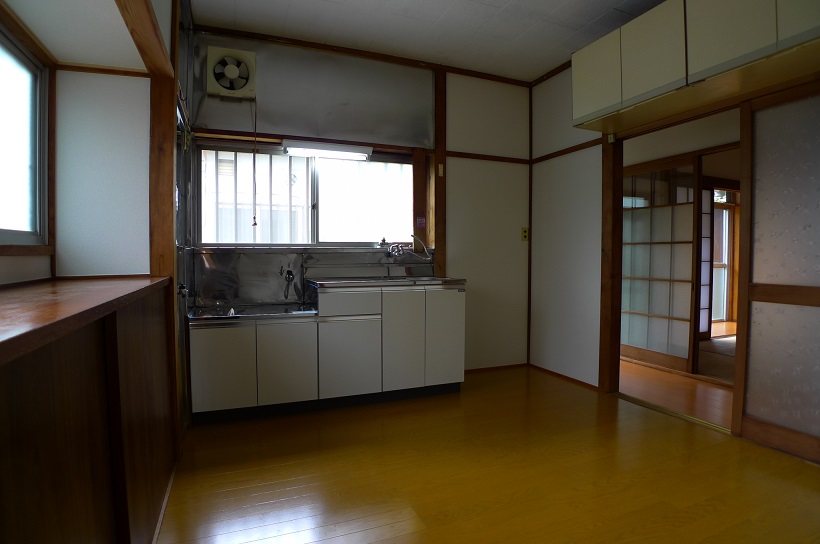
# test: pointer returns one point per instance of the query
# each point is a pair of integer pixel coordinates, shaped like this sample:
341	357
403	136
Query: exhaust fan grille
231	73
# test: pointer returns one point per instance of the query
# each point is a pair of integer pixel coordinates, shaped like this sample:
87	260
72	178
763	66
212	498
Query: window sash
36	231
287	215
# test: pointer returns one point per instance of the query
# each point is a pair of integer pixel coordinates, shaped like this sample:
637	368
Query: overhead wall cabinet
596	78
798	21
687	54
727	34
653	53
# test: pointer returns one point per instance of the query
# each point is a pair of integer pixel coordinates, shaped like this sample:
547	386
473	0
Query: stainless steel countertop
251	311
384	281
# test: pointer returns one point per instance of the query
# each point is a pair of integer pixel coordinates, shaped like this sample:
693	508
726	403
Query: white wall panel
17	269
163	9
487	117
566	265
552	128
486	208
718	129
102	174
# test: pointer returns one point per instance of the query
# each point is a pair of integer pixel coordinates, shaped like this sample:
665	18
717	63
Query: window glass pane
18	184
364	201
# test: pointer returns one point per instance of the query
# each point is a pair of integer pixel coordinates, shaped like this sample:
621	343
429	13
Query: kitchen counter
383	281
35	314
251	311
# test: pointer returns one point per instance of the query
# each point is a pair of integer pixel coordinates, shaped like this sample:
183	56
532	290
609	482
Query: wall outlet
525	234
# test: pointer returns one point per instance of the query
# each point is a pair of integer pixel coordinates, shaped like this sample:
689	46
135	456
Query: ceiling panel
520	39
80	31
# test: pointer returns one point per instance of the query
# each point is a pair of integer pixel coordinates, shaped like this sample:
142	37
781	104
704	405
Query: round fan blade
231	60
243	71
238	83
219	69
224	82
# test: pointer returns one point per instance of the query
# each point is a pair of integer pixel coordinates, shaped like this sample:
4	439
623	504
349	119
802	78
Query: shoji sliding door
658	235
782	382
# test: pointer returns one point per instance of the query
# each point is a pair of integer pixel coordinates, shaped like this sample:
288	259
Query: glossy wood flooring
518	456
686	395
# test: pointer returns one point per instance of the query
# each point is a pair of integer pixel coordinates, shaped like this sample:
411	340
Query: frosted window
626	262
626	295
659	294
719	295
661	261
679	339
786	203
681	300
783	376
658	335
704	320
21	199
639	293
640	261
682	224
638	325
625	328
662	224
640	225
682	261
627	226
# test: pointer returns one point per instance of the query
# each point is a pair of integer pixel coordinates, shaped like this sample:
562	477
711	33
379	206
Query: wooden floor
723	328
518	456
683	394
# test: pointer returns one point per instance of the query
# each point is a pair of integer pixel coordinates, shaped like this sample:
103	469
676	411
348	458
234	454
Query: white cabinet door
648	70
403	317
596	78
287	362
223	367
350	356
444	335
798	21
727	34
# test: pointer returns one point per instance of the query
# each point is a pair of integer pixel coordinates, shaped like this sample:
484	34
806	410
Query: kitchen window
22	185
302	201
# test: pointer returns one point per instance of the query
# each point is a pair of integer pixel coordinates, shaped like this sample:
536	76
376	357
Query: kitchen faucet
429	257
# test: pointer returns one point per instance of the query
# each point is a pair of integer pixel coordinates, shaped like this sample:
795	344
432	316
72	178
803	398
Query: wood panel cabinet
287	361
727	34
223	366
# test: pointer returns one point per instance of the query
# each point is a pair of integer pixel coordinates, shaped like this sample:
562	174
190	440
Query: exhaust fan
231	73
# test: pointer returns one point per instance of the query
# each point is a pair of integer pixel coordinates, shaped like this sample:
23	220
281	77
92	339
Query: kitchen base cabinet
444	350
223	366
350	356
287	362
402	338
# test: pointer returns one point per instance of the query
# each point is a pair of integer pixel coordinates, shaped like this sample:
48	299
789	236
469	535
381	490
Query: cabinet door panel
223	368
445	336
651	71
402	339
350	357
287	362
727	34
596	78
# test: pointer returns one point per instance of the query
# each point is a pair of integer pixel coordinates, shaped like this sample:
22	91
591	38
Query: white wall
721	128
486	208
566	238
552	128
17	269
487	117
566	264
102	174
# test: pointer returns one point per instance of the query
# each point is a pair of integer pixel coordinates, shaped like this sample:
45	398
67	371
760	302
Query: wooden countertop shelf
35	314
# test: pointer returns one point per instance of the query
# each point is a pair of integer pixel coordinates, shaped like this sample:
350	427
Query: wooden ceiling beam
141	22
